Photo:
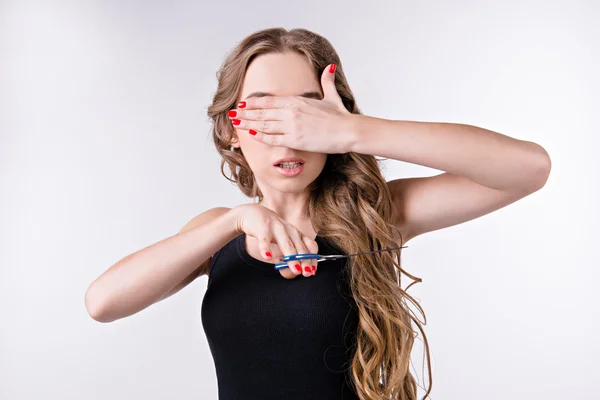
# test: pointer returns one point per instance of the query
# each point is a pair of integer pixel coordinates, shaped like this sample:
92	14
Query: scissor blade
336	256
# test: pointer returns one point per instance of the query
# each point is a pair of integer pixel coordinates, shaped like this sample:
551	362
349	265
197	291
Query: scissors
319	258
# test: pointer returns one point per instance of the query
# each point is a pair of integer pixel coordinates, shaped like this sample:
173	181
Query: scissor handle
295	257
303	256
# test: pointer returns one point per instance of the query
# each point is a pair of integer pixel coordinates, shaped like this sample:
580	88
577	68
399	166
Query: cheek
246	139
256	154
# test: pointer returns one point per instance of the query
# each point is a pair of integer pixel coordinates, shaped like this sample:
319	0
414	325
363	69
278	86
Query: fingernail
235	121
307	269
332	68
252	132
241	104
298	268
232	113
314	269
268	253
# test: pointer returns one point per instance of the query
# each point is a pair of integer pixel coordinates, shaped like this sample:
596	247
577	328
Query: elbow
96	306
544	166
539	171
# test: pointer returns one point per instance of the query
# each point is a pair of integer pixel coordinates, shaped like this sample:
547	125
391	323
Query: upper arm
426	204
202	269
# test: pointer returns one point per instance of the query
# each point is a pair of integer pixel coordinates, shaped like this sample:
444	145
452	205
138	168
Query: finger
270	139
330	92
286	245
266	126
260	114
267	102
313	247
297	238
287	273
264	245
268	132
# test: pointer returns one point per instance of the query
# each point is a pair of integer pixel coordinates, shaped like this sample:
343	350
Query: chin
292	184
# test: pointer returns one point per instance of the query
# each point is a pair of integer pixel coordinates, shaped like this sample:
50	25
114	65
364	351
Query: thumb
328	83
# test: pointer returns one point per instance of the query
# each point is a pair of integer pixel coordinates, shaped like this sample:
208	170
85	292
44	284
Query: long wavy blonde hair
351	205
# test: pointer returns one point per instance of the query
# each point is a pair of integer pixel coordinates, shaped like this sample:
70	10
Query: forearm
486	157
142	278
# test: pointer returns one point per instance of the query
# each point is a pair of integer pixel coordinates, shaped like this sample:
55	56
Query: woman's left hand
321	126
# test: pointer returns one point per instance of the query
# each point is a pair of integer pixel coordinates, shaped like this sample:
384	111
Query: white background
105	149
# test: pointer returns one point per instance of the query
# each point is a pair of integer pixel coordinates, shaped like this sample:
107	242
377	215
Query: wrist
355	132
233	218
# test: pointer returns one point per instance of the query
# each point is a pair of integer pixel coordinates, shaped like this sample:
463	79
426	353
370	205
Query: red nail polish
307	269
232	113
268	253
298	268
332	68
235	121
252	132
314	269
241	104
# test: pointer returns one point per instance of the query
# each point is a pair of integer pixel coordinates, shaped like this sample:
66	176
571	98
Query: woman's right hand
266	227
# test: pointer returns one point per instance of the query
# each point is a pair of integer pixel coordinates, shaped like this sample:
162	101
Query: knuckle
296	126
277	225
294	142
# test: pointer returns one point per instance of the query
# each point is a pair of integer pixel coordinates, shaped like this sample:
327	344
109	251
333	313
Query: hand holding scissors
267	228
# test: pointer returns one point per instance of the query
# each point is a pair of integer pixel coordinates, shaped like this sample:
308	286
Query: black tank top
277	338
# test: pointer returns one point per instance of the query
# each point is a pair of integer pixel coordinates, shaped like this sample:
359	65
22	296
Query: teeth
289	164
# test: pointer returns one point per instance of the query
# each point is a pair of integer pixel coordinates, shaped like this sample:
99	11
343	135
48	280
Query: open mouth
289	165
289	168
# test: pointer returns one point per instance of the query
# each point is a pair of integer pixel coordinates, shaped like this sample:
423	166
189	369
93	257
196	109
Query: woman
288	127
